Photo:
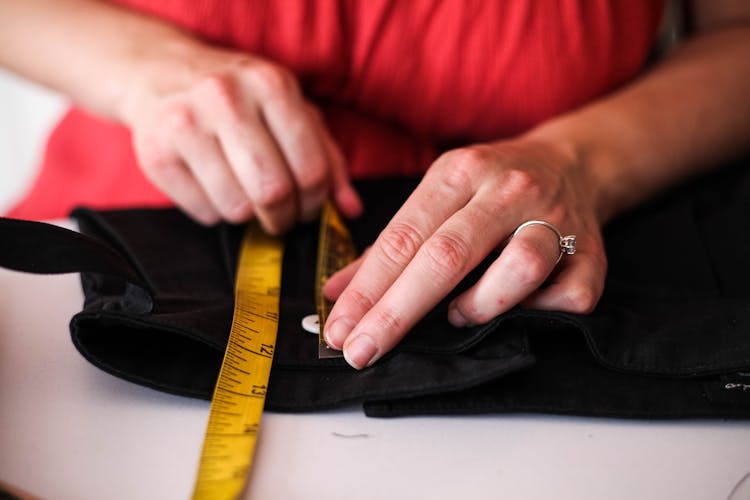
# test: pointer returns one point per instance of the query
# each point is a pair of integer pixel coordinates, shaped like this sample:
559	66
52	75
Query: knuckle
313	177
166	170
388	321
162	172
460	166
179	119
361	300
521	183
235	211
202	212
219	90
159	163
400	242
274	82
273	192
151	156
447	255
581	299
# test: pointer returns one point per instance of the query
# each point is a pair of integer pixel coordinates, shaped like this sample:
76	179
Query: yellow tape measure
240	393
335	251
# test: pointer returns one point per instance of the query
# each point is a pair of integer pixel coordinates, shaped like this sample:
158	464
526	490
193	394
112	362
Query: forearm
685	115
86	49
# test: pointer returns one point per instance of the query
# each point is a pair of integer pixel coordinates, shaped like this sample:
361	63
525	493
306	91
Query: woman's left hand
468	205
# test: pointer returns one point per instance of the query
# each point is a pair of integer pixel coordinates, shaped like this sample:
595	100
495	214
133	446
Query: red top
398	80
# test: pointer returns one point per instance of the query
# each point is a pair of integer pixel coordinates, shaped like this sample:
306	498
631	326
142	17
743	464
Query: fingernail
336	333
360	351
456	318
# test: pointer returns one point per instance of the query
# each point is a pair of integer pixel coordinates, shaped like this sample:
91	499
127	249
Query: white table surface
71	431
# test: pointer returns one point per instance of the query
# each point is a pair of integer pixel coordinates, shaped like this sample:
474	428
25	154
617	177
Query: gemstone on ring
568	244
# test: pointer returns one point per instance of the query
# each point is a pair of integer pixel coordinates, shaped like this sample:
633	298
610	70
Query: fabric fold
670	337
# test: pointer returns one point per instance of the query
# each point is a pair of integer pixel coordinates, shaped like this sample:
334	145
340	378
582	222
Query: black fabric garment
670	337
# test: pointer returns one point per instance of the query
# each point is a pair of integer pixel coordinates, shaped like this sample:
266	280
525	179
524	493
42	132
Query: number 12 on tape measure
240	392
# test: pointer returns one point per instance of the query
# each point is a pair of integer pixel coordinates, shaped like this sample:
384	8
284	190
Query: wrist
597	169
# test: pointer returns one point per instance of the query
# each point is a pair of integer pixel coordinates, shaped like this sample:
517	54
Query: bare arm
89	50
688	113
226	135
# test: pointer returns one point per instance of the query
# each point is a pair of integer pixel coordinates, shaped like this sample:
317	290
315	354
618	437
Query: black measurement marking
265	355
224	404
269	315
245	327
233	346
226	399
248	309
249	339
238	369
232	356
229	413
243	394
238	382
215	423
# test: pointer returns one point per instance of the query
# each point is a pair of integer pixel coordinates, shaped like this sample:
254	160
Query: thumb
339	280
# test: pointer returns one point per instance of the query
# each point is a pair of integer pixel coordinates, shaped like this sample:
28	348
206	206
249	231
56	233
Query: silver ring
567	243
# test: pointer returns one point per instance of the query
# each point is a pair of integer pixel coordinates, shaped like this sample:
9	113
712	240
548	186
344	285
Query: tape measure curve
240	392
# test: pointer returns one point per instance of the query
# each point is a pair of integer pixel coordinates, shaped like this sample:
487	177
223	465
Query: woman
554	118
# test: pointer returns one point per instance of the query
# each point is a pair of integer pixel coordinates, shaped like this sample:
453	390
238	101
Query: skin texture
576	171
226	135
207	130
238	139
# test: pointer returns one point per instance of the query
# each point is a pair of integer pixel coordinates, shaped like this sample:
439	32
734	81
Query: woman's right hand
230	136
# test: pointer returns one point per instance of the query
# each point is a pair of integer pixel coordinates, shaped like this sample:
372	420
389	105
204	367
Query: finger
252	153
576	289
444	259
177	182
399	242
523	265
202	153
261	170
343	193
297	133
341	278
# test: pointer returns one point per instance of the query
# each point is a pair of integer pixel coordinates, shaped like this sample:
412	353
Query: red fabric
399	79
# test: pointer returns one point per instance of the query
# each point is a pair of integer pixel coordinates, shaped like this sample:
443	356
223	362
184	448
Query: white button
311	324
